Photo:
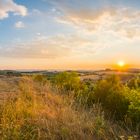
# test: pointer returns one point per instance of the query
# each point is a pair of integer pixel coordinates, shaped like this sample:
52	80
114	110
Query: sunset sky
69	34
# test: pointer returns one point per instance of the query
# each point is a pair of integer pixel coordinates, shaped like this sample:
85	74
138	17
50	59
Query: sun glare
121	63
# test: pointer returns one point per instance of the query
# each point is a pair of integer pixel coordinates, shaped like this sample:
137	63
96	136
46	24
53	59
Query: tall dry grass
37	113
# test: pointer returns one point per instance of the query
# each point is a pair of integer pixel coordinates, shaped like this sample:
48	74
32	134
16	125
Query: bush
111	94
134	106
67	81
134	83
85	95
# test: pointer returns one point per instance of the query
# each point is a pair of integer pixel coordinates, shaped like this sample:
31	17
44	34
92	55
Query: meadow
64	107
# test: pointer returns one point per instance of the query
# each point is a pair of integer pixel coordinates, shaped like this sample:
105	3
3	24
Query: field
124	76
33	107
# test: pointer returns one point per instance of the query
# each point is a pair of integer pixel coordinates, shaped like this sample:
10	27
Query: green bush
85	95
134	106
134	83
111	94
67	81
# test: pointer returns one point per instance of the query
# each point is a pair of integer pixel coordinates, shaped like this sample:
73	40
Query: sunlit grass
49	115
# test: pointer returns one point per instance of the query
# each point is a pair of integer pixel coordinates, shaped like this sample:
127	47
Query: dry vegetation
36	111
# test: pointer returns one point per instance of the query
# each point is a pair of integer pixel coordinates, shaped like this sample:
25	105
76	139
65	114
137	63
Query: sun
121	63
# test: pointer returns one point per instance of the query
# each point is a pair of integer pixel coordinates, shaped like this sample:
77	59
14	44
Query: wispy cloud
50	47
19	24
123	21
7	6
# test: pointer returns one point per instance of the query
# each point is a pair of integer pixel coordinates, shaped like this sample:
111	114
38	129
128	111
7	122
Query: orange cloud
50	47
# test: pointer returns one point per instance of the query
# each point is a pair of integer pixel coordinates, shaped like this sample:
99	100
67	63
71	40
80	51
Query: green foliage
134	83
85	95
134	106
115	97
111	94
67	81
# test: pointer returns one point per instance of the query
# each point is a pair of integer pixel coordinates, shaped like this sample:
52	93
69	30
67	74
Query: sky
69	34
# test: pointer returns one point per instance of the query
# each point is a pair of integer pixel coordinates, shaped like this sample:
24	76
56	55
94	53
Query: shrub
134	83
134	107
85	95
111	94
67	81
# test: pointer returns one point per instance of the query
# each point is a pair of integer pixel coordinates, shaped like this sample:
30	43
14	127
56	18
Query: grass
35	112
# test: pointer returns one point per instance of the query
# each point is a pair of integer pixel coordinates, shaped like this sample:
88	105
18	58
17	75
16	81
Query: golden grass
28	115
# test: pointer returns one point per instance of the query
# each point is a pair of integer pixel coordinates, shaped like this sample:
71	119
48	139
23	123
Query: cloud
19	24
7	6
54	47
123	21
